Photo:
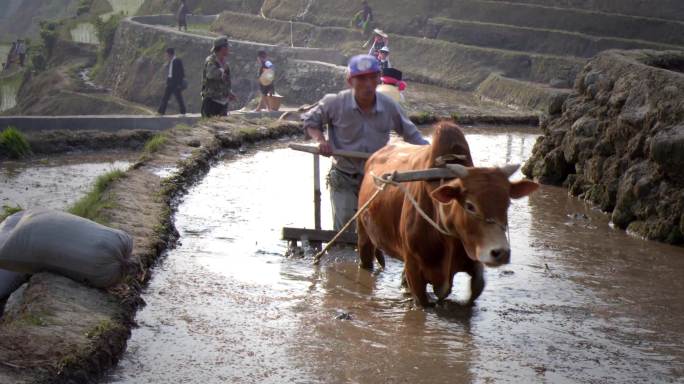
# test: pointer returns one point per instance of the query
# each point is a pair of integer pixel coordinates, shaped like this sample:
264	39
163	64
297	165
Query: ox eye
470	207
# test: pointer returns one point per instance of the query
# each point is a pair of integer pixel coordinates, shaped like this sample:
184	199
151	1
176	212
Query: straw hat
380	32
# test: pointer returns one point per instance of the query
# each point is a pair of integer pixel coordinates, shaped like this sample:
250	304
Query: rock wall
619	141
663	9
135	69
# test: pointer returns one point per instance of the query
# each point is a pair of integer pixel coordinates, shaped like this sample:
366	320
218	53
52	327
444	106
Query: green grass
14	144
91	205
154	143
8	210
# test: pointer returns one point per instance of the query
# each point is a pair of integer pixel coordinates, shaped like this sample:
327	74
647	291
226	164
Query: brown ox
473	209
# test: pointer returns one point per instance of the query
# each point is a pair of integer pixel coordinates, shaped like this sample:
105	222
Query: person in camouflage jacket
216	83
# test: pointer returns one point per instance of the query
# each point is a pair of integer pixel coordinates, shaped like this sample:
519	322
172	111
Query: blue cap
363	65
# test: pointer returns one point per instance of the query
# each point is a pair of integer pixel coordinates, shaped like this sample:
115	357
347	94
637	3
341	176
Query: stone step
429	61
522	94
526	39
661	9
410	17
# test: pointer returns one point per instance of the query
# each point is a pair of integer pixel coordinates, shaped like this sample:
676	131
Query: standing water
85	33
125	7
580	301
56	182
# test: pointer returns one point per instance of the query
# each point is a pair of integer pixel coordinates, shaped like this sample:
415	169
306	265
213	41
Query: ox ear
447	193
522	188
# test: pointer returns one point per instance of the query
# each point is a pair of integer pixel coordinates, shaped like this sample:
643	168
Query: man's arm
314	122
406	128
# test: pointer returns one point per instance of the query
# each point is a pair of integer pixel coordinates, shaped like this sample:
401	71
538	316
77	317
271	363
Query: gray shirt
351	130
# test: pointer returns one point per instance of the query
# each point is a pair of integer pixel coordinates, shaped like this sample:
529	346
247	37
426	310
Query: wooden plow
318	235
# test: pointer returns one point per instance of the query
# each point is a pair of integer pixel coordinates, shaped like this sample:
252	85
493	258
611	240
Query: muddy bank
619	141
53	343
578	303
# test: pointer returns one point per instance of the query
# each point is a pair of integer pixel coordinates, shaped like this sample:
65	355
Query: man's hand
324	147
232	97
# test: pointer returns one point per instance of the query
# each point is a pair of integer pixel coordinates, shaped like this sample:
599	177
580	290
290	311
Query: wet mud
580	301
56	182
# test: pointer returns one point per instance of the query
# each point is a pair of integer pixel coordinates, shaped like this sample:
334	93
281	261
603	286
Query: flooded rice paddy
580	301
125	7
85	33
58	181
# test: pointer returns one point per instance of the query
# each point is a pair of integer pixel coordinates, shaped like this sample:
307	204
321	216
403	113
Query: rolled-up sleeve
318	117
407	130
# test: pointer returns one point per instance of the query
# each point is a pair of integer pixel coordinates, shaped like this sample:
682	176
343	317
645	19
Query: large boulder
619	141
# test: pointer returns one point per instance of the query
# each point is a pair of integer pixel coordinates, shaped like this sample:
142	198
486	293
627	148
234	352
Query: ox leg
417	283
477	282
367	250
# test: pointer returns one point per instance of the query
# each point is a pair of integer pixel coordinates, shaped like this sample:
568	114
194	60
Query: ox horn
510	169
446	159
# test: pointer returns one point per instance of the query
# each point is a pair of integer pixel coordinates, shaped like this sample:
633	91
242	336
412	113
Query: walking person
358	119
216	83
21	51
383	57
182	15
380	39
10	55
175	82
363	19
265	78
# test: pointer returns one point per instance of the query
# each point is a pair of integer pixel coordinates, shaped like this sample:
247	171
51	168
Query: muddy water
58	181
85	33
9	88
4	50
580	302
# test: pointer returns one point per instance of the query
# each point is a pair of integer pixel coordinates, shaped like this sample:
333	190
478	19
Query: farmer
175	82
216	84
21	51
182	15
360	120
265	77
363	18
383	57
380	39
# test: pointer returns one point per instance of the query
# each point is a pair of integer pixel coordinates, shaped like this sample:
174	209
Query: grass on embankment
91	205
8	210
154	143
13	144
